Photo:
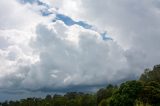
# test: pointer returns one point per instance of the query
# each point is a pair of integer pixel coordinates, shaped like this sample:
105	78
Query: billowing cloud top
56	45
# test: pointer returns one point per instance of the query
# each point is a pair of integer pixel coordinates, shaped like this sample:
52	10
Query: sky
55	46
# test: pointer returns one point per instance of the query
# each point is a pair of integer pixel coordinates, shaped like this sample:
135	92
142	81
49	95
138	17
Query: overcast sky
75	45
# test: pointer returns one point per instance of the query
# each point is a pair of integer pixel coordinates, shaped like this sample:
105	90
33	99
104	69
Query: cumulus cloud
133	25
70	8
39	54
17	27
14	15
65	62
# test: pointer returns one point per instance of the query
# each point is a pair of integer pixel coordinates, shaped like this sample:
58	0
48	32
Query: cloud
70	8
39	54
133	25
15	15
80	59
53	55
17	27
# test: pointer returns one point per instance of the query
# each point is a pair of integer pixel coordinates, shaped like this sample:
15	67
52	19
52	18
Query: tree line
142	92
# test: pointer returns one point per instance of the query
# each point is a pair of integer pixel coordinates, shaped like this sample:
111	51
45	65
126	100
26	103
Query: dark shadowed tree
151	93
105	93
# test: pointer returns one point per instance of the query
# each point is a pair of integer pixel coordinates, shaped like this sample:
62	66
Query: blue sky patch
69	21
105	36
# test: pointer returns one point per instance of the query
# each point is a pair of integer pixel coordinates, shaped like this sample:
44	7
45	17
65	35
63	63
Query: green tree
88	100
127	94
104	102
151	93
5	103
105	93
151	75
59	100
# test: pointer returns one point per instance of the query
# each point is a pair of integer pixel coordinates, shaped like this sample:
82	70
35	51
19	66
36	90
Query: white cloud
14	15
133	25
71	8
17	27
63	63
39	54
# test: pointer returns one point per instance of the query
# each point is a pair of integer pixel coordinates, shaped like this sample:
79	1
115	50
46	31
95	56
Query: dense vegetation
142	92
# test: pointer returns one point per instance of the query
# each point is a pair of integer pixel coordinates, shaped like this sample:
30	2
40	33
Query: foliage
151	93
127	94
151	75
105	93
104	102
